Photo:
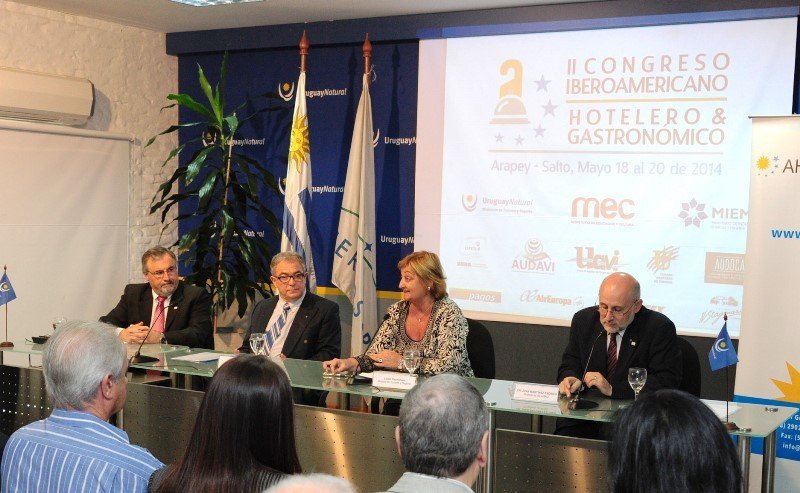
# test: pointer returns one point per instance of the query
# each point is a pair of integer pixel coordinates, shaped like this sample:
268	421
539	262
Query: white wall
132	76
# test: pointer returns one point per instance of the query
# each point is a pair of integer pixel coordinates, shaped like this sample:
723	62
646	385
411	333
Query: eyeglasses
297	277
170	271
616	311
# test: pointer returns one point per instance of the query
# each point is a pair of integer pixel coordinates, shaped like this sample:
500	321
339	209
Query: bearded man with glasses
618	333
179	313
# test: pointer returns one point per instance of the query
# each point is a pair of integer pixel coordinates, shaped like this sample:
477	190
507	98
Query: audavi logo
607	208
533	259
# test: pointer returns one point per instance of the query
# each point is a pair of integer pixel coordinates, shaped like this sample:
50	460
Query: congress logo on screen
603	211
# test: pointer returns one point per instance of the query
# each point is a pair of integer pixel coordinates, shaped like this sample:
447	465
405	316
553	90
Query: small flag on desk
722	353
6	290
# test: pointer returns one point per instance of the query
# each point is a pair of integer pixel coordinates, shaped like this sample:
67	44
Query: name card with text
535	392
393	380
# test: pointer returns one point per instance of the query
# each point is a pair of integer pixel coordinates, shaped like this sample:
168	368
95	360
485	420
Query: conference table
159	415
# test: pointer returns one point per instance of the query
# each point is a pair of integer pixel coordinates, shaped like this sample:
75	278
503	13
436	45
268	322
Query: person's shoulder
136	288
192	290
654	316
588	312
319	300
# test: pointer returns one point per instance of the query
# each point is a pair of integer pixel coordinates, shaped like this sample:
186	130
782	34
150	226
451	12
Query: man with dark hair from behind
669	441
442	436
75	448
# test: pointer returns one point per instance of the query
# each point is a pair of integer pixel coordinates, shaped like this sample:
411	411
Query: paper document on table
199	357
719	408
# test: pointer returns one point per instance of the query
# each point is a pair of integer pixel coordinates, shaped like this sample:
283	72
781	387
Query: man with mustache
179	313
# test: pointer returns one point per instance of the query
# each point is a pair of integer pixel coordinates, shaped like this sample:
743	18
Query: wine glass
58	321
257	344
637	378
412	359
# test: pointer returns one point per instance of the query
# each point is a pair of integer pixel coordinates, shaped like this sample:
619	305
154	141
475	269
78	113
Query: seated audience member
243	438
76	449
442	436
618	333
179	313
312	483
670	441
425	319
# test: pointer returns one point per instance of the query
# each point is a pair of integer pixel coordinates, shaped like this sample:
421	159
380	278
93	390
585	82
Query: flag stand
6	342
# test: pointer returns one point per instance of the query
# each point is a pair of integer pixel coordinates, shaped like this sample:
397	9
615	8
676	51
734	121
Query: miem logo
469	202
286	91
692	213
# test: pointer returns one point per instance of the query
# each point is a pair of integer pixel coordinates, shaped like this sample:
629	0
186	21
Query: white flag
355	248
297	204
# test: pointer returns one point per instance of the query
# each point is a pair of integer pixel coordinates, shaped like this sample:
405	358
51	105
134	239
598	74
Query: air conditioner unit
37	97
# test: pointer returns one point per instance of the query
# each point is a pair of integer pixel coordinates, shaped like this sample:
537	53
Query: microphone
576	402
140	358
360	359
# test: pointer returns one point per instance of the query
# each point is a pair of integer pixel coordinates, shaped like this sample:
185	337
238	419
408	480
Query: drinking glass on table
58	321
412	358
637	378
257	343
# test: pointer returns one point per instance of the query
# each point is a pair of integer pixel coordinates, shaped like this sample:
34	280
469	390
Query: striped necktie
158	323
612	356
274	332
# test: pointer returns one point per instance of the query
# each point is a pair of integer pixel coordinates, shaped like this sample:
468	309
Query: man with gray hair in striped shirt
76	449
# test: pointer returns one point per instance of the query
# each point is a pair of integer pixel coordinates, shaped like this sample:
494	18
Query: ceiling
167	16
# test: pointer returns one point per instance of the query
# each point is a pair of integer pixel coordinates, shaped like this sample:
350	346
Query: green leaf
212	100
193	168
188	102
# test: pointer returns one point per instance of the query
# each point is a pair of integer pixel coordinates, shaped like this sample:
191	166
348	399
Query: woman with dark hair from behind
243	438
669	441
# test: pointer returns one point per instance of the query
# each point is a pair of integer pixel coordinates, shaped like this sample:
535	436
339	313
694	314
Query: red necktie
612	357
158	324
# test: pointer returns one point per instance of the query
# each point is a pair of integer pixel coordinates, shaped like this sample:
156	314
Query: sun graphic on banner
298	146
791	390
762	163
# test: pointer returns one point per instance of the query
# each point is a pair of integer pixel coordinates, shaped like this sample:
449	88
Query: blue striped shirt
74	451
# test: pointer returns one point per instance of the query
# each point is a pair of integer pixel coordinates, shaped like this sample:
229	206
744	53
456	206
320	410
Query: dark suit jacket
648	342
188	314
315	332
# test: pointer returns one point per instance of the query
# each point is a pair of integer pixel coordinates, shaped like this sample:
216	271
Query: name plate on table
535	392
393	380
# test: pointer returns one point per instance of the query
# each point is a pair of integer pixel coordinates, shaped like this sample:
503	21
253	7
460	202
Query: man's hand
135	333
598	381
568	386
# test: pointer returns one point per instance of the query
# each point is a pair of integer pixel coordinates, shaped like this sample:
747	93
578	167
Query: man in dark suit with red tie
179	313
619	333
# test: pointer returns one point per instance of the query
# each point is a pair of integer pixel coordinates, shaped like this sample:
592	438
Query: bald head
619	300
624	283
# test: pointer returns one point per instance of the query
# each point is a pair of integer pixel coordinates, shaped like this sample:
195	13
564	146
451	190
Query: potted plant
218	191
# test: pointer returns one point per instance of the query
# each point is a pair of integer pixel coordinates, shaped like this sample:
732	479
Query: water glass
257	344
412	358
637	378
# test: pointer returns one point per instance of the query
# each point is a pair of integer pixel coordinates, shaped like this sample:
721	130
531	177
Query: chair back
480	349
691	368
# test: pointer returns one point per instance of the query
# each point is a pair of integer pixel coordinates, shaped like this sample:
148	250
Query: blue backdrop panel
333	87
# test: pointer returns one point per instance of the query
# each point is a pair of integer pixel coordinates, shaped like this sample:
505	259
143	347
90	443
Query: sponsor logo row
533	257
620	211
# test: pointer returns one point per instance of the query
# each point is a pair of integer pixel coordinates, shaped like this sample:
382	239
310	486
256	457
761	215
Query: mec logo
607	208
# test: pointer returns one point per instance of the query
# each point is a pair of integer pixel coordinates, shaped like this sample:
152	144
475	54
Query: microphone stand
576	402
140	358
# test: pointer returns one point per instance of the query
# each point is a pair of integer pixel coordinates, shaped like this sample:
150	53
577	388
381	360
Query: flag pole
303	51
367	50
729	425
6	342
